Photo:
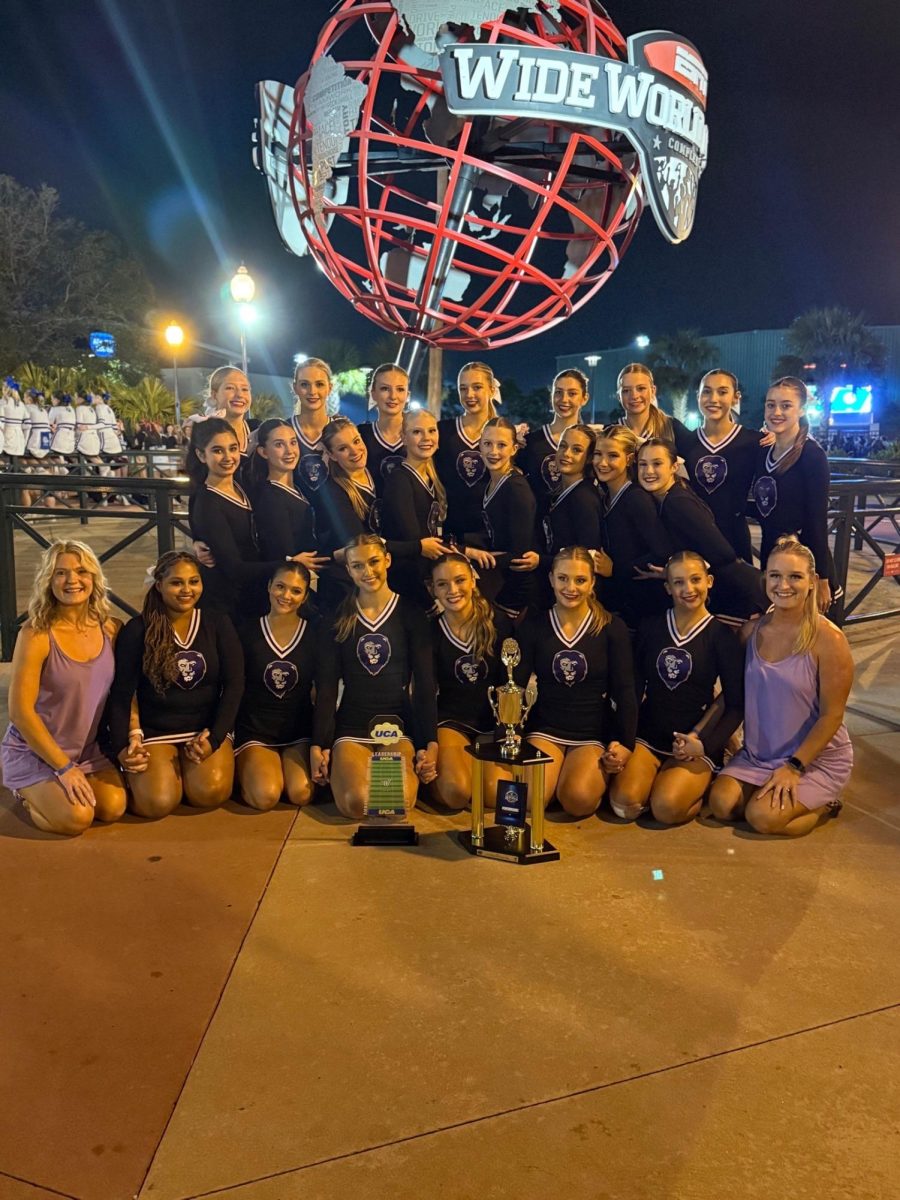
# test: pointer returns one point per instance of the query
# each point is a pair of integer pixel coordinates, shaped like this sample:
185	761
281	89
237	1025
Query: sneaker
833	807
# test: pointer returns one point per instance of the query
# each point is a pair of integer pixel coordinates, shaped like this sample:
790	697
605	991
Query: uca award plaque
512	838
386	818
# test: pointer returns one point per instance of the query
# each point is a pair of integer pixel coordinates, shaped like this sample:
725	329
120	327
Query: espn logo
690	68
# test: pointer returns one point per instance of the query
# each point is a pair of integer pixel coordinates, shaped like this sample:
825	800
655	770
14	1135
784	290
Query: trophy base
497	846
385	835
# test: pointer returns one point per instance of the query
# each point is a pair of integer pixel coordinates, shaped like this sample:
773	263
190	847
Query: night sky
141	114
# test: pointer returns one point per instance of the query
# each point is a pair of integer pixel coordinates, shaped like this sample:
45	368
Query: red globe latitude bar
463	233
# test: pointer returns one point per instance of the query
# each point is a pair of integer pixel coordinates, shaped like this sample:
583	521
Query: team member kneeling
581	655
381	647
680	656
186	669
274	723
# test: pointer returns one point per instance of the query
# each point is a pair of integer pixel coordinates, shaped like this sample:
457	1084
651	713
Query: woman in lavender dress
62	671
797	755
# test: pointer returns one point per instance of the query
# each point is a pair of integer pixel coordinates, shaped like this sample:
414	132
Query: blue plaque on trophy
512	804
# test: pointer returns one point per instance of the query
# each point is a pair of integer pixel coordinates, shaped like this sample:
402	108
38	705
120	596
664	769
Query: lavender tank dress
70	702
781	705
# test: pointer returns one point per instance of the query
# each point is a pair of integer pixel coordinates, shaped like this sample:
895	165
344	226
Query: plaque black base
386	835
496	846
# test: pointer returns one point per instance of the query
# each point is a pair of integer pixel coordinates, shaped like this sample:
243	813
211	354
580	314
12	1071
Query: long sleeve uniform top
410	511
633	536
237	583
795	502
285	524
382	456
721	475
276	707
508	513
461	470
463	679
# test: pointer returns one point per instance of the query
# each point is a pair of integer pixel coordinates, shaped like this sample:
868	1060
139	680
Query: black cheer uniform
795	502
678	676
410	511
508	513
633	536
383	456
574	517
284	519
276	709
312	469
461	470
205	695
377	663
679	433
537	459
576	679
237	583
463	680
722	475
737	589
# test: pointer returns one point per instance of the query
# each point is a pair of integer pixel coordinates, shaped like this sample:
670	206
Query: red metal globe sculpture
461	233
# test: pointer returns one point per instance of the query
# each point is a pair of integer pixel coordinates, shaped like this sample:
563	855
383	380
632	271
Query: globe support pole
411	354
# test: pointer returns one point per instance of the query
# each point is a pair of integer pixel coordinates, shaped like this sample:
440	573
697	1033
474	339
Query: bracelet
137	730
62	770
797	765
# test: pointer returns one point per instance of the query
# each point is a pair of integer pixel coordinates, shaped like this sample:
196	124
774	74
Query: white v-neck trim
394	447
243	502
562	495
425	484
579	633
715	447
283	651
193	630
286	487
621	492
683	639
386	612
463	437
489	495
451	636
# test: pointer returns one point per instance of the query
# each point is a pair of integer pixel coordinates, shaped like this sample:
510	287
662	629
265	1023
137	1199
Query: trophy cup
385	822
511	839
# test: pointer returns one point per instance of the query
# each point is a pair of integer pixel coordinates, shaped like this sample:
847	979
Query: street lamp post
592	360
243	289
174	335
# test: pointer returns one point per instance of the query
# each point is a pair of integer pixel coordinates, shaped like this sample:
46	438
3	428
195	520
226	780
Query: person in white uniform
37	444
87	437
15	415
62	425
107	426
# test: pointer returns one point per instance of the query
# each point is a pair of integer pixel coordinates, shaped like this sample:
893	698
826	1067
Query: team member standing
721	458
230	398
222	518
459	463
413	509
178	683
61	675
312	387
538	459
792	482
508	512
581	656
641	411
382	648
14	415
680	656
738	591
633	535
62	425
797	754
274	722
87	435
388	395
284	522
468	636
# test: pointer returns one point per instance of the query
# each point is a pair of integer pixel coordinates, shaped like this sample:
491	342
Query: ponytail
202	433
347	612
788	459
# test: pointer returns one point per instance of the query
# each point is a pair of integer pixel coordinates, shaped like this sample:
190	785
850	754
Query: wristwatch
798	766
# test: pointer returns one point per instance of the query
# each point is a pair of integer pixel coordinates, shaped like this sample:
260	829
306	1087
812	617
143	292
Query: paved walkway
244	1006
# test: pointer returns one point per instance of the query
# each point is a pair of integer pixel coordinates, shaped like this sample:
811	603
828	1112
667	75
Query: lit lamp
642	341
592	360
243	289
174	335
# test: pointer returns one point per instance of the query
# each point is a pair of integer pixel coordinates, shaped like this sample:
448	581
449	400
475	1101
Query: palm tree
838	346
148	400
340	354
678	361
267	404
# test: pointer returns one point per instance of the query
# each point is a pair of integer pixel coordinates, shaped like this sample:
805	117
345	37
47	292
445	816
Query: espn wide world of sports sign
657	100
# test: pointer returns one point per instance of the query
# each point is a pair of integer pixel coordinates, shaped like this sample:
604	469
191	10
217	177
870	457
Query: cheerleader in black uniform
178	682
581	656
568	397
388	394
721	458
641	412
792	482
467	639
459	463
382	646
274	722
633	535
222	518
508	512
680	656
285	526
738	592
312	387
413	510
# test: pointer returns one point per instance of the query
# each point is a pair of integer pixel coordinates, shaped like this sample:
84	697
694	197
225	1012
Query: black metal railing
871	530
160	514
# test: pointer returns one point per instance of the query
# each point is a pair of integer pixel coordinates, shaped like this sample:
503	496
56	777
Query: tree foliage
838	346
60	280
678	361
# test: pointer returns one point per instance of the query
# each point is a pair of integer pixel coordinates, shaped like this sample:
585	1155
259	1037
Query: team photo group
338	572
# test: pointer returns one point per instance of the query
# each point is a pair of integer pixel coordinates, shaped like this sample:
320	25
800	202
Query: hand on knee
762	818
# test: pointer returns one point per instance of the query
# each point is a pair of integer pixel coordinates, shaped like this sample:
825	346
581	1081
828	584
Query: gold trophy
511	704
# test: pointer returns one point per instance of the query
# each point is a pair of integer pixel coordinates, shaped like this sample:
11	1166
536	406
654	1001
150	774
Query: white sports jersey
87	439
15	414
39	436
62	425
110	441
